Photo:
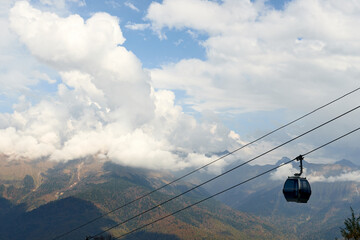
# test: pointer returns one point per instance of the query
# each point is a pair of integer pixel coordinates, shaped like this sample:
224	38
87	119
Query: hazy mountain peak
345	162
283	160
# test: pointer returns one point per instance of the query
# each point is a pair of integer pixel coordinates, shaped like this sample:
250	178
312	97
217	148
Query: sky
168	84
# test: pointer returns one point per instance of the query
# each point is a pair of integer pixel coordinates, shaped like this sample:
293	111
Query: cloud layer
344	177
259	57
104	104
262	59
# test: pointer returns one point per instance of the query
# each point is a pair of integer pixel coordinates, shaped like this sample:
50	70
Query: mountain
43	222
347	163
320	218
40	200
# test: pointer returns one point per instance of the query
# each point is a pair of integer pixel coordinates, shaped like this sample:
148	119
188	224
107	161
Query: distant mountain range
333	193
40	200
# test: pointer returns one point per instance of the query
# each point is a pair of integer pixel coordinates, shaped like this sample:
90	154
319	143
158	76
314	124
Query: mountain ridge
106	185
259	204
322	216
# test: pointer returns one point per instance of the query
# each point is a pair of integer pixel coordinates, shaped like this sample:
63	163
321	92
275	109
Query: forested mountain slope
46	199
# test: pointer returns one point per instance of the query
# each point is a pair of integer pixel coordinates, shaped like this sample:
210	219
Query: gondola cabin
297	189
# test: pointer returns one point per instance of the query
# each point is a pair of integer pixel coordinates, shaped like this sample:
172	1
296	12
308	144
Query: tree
351	231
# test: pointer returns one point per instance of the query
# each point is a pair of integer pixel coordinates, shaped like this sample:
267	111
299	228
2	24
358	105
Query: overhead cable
206	165
226	172
234	186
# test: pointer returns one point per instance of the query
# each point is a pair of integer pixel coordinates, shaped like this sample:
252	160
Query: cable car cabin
297	189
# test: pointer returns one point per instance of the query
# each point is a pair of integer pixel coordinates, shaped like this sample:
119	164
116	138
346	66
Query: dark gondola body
297	189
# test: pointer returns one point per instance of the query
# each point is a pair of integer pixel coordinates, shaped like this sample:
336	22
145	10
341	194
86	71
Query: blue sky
179	44
87	77
146	44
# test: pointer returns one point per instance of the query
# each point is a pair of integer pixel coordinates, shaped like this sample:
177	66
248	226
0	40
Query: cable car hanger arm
299	158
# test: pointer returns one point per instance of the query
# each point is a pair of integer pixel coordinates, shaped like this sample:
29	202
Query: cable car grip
299	158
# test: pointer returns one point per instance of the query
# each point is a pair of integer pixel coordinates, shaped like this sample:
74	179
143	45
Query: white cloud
131	6
262	59
81	82
72	40
17	67
254	58
43	76
32	134
353	176
104	105
283	172
90	47
137	26
288	170
200	15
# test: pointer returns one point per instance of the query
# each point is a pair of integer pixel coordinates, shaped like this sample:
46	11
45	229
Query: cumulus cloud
283	172
72	40
353	176
104	105
262	59
90	47
206	16
19	71
257	56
